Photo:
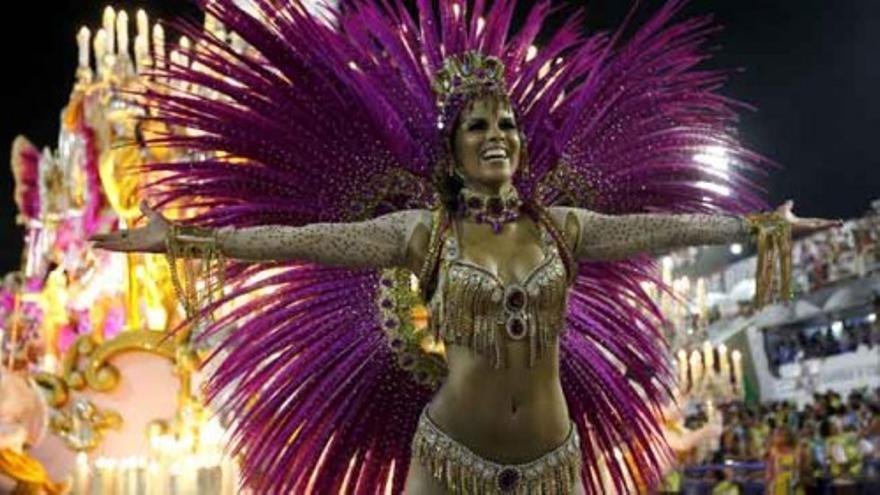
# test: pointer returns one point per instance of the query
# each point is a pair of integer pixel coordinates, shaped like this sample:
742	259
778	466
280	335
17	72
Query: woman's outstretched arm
377	243
600	237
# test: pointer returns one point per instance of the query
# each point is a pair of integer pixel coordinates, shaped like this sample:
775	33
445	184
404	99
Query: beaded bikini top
471	306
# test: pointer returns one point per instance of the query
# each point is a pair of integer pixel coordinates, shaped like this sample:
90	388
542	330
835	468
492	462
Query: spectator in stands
724	483
783	464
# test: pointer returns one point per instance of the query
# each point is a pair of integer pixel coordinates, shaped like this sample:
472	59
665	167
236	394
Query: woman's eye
508	124
477	126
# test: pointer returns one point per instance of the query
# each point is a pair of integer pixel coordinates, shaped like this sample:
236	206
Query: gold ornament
404	319
82	425
468	75
183	244
772	234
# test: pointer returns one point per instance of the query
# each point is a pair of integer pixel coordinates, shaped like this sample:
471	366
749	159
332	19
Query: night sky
811	67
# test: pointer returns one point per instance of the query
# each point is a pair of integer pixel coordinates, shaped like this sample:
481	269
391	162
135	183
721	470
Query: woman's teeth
494	154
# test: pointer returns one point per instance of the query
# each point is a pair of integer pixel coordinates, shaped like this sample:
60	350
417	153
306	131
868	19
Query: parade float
100	368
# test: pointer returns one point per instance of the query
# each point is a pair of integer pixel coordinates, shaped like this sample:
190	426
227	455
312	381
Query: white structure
797	381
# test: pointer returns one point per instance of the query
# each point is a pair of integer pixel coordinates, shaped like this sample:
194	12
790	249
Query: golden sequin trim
470	306
772	235
462	471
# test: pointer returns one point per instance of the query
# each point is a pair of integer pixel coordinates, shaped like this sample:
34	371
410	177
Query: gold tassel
184	243
772	235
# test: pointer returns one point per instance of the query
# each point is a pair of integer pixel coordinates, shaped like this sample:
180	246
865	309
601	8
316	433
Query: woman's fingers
807	225
824	223
804	225
149	212
786	207
141	239
109	243
100	237
121	240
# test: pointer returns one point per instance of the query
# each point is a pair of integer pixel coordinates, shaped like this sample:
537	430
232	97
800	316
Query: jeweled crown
467	75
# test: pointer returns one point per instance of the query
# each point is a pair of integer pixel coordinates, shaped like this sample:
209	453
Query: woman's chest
511	258
519	293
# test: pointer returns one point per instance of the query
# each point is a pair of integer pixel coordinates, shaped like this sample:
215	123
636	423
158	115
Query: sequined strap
460	470
428	272
558	235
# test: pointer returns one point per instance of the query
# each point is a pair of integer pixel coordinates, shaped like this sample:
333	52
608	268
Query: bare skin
509	415
517	413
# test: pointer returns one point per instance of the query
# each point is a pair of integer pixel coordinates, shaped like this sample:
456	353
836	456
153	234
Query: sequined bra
472	307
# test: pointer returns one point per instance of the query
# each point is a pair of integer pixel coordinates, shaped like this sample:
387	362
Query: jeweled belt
463	471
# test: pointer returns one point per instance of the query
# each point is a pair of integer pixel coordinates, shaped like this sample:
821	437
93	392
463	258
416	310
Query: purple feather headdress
338	121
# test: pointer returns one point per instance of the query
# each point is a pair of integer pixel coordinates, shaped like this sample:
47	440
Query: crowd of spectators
789	345
837	254
830	446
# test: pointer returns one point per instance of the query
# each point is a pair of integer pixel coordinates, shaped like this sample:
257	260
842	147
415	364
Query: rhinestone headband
466	76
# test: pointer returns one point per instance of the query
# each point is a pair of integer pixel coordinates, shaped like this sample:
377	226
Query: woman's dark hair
448	185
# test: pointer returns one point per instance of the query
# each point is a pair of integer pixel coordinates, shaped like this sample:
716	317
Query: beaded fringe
462	471
772	236
482	334
469	310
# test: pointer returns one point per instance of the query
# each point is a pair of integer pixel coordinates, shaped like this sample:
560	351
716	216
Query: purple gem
516	299
390	323
387	303
387	283
516	327
396	343
508	479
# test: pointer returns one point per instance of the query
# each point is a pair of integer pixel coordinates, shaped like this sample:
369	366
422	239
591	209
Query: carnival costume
317	147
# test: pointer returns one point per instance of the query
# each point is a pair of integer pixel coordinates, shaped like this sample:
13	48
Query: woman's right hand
147	239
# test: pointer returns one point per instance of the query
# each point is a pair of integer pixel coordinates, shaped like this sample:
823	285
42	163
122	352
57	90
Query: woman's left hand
801	226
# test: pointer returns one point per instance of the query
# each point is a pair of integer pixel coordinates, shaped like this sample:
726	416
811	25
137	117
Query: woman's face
487	144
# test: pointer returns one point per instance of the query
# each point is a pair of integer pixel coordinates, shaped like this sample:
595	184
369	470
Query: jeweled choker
496	210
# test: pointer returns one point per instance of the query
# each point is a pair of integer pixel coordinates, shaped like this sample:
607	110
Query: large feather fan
335	120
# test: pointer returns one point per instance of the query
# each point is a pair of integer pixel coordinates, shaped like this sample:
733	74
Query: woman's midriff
510	415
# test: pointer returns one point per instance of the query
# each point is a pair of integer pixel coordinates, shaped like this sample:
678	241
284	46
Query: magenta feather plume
26	172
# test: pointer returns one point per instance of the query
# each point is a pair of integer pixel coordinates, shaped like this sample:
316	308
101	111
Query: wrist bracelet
183	245
772	236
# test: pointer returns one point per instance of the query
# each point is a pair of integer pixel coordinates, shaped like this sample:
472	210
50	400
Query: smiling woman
489	145
544	348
